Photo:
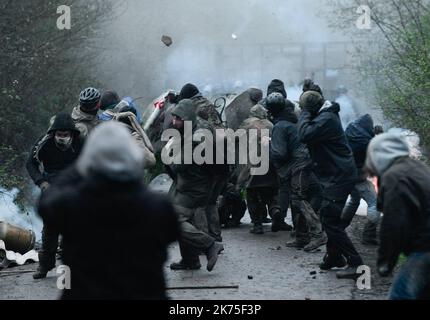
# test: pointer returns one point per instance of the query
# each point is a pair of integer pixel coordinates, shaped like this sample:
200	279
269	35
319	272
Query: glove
173	98
44	186
307	84
310	85
384	270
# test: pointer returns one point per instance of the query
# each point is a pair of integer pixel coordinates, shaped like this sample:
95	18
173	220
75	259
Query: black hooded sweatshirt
46	160
359	134
287	154
330	152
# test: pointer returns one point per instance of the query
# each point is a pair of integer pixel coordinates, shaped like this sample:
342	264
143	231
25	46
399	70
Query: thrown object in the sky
234	36
167	40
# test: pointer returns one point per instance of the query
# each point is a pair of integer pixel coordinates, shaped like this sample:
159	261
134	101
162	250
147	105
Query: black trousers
339	244
47	254
259	200
284	197
212	213
306	199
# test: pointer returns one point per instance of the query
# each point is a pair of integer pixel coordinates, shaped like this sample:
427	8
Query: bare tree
42	70
393	61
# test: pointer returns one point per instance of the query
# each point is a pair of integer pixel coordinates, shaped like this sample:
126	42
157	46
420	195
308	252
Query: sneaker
267	220
281	226
298	244
315	243
257	229
329	264
182	265
348	273
212	255
40	274
278	223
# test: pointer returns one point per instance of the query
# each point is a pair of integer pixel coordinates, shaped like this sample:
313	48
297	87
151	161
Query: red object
159	104
375	183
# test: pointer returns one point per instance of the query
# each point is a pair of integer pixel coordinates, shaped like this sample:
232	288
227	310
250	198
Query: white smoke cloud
347	113
204	52
10	213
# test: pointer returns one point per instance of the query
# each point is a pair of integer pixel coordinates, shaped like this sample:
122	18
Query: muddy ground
259	267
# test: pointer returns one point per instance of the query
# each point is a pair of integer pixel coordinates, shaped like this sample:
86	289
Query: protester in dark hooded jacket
321	129
191	192
115	232
277	86
207	111
404	198
359	134
53	153
293	163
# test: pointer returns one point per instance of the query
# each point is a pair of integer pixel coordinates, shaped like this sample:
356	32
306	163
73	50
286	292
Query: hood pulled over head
186	110
63	122
188	91
278	87
258	111
384	150
111	152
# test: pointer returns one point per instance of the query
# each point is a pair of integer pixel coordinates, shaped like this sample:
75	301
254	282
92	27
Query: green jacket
193	182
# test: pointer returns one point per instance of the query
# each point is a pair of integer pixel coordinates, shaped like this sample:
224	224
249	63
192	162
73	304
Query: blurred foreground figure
115	232
404	198
53	153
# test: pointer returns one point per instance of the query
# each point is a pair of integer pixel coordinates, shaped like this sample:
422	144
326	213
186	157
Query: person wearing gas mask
53	153
85	114
321	129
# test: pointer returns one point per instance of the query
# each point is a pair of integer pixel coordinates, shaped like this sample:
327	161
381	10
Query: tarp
239	109
8	258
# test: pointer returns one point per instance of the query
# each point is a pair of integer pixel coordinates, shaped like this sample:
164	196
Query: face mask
63	143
